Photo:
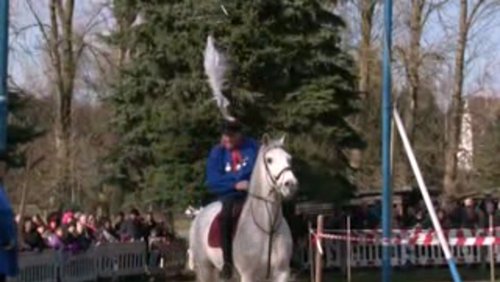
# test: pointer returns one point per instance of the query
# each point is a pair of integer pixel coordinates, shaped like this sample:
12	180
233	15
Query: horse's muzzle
289	188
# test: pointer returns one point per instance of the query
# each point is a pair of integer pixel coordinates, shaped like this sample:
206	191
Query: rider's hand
242	185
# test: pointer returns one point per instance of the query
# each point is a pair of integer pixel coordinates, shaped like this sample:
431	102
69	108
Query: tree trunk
413	68
366	10
414	63
63	148
63	61
125	18
455	112
30	166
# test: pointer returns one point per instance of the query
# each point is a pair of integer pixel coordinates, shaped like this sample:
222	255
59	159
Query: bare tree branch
53	42
38	20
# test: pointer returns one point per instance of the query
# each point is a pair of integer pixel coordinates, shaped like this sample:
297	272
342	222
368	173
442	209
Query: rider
229	169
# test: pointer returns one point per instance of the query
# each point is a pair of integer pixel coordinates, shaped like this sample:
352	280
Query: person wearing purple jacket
229	168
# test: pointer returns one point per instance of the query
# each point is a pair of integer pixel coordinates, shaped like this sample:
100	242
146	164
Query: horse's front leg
281	276
206	273
247	278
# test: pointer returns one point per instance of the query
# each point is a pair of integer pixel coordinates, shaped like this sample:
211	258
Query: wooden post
319	259
311	250
349	247
492	251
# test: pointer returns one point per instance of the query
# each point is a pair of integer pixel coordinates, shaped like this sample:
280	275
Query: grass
374	275
413	275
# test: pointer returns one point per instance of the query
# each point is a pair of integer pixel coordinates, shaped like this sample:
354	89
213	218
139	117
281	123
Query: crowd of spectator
469	213
76	231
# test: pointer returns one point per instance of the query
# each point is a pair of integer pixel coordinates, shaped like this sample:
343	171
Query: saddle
215	232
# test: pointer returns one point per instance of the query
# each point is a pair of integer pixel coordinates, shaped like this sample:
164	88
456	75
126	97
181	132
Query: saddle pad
214	233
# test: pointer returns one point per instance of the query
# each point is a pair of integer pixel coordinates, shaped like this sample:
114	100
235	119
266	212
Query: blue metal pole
8	231
386	144
4	49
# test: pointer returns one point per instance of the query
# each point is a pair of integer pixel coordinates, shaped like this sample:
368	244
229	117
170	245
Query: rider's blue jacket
221	178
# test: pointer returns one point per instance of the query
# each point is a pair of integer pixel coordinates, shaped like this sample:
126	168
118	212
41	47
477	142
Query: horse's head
277	167
192	212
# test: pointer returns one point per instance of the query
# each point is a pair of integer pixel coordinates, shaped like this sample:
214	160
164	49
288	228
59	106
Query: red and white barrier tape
426	241
420	234
456	237
417	229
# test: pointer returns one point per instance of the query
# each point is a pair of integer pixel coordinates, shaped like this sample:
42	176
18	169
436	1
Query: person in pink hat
68	217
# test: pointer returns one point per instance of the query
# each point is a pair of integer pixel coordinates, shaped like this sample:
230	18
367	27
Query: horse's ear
266	139
282	140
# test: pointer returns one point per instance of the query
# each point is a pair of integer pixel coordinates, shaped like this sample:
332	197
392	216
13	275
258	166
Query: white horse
262	244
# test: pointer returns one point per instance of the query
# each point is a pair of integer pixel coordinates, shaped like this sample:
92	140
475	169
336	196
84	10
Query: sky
483	50
27	61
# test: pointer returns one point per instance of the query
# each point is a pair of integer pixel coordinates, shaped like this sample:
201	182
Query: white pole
319	252
425	194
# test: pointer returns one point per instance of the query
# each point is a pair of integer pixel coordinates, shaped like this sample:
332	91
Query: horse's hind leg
206	273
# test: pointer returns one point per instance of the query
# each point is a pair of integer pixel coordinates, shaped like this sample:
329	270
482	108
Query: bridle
271	178
274	223
274	179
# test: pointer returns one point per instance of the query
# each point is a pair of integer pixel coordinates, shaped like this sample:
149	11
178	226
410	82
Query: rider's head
231	134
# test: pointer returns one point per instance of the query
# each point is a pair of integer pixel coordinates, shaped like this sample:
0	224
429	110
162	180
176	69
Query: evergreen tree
486	164
21	128
288	76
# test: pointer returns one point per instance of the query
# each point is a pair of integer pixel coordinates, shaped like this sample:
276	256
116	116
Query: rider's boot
227	271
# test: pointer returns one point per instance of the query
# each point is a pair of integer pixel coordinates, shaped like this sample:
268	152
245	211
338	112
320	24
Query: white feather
215	68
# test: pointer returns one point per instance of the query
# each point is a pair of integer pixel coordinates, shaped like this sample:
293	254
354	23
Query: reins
274	224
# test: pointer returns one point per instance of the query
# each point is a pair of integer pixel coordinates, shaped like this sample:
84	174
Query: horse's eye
269	160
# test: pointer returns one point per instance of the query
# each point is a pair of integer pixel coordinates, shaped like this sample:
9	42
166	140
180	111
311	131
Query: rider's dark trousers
227	225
